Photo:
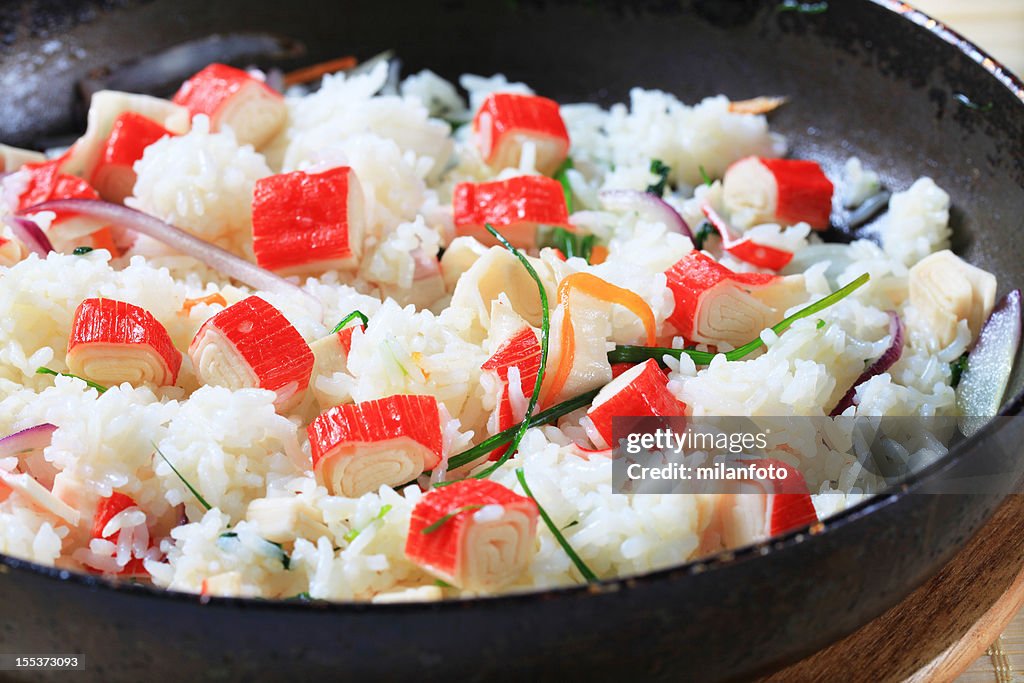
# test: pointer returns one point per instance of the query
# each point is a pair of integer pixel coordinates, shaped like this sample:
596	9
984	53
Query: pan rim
1014	406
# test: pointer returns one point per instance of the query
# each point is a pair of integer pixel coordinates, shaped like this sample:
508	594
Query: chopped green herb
821	324
81	251
571	244
659	169
349	318
802	7
442	584
545	332
957	368
562	177
571	524
353	534
441	522
704	231
638	354
47	371
202	501
704	175
304	596
972	105
576	559
286	561
503	437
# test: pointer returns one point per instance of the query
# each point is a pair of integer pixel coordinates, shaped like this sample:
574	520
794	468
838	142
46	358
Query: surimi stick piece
506	121
308	222
522	352
104	109
113	176
716	305
37	494
330	356
11	252
390	441
251	344
113	342
474	534
641	391
746	249
515	207
44	182
786	191
231	97
945	289
766	509
13	158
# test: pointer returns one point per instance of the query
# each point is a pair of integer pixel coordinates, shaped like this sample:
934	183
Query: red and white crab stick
515	207
231	97
45	182
506	121
474	534
715	304
519	355
251	344
308	222
389	441
785	191
768	508
641	391
113	177
106	510
113	342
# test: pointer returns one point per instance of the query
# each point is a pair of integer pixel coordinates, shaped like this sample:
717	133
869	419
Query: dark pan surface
872	79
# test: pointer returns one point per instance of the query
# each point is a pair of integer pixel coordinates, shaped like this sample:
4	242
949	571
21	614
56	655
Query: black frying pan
871	78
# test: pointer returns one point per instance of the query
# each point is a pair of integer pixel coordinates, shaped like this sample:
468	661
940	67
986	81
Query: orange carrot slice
605	291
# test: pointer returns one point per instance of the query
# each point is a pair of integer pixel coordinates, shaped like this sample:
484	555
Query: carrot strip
605	291
311	73
215	298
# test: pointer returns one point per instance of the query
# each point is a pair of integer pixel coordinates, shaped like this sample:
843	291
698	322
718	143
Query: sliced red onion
883	363
649	206
989	365
219	259
27	441
29	234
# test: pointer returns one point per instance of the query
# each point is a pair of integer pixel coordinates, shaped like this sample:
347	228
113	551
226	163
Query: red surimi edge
694	275
110	322
642	391
788	501
411	416
803	192
305	221
441	549
521	350
264	339
515	207
210	89
745	249
107	509
132	133
506	119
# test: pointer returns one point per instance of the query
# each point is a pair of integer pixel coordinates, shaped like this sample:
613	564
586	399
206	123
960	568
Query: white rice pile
238	452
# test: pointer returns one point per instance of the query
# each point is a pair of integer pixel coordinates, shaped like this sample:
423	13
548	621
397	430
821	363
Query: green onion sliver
202	501
638	354
576	559
47	371
349	318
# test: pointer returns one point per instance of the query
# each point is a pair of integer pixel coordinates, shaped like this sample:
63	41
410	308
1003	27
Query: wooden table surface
997	26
